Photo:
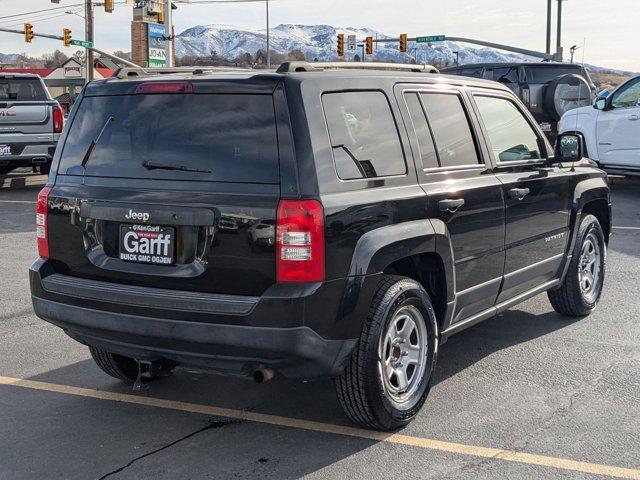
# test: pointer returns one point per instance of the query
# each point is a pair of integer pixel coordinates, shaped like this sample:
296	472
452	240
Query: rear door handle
519	193
633	118
450	205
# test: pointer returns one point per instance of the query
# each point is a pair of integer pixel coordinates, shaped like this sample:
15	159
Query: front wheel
388	377
581	289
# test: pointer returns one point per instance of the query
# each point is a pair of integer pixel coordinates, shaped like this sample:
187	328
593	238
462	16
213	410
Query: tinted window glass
505	75
420	125
231	136
451	130
511	136
363	134
471	72
546	74
627	96
22	89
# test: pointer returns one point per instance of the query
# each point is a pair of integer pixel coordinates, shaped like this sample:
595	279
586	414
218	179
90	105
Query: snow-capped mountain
320	41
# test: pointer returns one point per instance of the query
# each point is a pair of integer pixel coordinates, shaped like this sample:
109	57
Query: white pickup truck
611	129
30	123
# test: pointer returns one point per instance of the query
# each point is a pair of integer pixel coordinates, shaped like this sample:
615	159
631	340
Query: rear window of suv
546	74
221	137
22	89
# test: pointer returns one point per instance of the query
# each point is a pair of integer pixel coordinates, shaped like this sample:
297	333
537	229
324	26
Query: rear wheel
580	291
45	168
118	366
388	377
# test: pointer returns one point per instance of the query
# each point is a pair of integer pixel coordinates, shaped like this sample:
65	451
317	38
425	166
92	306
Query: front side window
451	130
511	136
363	133
627	96
471	72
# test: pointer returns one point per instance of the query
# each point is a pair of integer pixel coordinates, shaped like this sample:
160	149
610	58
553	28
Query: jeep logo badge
139	216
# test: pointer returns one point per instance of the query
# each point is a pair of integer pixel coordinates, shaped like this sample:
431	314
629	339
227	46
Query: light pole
268	38
88	36
559	34
573	50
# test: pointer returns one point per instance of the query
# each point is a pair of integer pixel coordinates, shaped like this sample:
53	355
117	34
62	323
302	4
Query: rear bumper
229	334
29	154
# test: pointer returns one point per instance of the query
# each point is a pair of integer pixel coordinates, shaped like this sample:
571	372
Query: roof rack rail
291	67
127	72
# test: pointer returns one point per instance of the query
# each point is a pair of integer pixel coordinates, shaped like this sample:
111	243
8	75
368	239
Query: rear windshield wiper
94	142
161	166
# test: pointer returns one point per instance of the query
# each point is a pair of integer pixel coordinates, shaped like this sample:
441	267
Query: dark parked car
406	207
30	123
548	89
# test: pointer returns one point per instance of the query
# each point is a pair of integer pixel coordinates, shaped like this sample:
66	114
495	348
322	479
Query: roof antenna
584	44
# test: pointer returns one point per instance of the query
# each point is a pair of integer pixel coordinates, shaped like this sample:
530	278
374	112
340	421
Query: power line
40	11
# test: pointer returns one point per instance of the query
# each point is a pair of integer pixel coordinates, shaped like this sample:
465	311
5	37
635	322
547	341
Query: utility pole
559	34
549	13
268	38
168	33
88	16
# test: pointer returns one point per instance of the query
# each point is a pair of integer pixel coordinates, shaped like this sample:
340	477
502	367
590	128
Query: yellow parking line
425	443
19	202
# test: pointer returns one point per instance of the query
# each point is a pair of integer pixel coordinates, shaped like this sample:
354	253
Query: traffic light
108	6
341	44
28	32
66	34
403	43
369	46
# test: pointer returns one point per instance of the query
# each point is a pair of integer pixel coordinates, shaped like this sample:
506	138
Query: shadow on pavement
225	447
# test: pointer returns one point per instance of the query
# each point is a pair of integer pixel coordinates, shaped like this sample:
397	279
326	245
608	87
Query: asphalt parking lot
529	394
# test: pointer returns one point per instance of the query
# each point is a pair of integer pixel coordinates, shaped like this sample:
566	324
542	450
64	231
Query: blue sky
610	28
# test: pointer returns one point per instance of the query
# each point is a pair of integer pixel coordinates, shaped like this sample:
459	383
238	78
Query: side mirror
568	148
600	103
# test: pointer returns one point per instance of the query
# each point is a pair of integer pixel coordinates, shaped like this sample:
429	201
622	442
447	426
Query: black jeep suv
309	222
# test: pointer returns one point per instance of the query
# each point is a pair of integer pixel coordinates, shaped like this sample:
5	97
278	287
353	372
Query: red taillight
300	241
41	222
164	87
58	119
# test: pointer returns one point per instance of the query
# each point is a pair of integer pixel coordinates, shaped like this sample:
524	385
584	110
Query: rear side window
546	74
226	138
22	89
451	130
470	72
364	136
511	136
421	127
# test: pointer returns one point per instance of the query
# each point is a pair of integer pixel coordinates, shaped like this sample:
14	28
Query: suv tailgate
199	217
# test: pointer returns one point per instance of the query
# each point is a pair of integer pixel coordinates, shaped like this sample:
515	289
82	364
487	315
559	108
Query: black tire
117	366
361	388
571	299
45	168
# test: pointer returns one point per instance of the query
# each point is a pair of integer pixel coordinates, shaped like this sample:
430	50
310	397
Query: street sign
432	38
352	42
157	54
81	43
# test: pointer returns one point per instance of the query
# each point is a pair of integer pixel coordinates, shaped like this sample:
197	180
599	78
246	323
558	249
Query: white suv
611	129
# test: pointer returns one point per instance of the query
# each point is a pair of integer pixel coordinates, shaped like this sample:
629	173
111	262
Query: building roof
106	72
43	72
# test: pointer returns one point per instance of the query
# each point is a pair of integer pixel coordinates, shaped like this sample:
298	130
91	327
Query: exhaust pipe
39	161
262	374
